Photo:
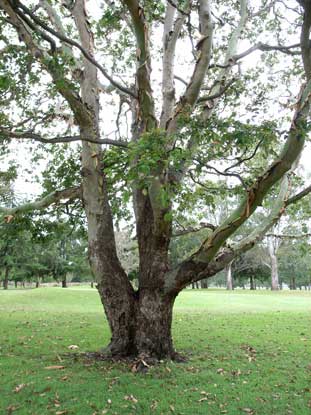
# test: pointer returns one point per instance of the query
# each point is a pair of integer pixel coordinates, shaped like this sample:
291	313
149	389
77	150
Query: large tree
55	76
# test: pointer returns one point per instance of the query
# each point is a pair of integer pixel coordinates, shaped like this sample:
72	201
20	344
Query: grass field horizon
249	352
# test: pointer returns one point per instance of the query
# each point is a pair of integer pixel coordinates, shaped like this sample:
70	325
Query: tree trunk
64	281
229	276
6	278
252	282
146	330
204	283
38	282
292	284
15	283
274	266
153	325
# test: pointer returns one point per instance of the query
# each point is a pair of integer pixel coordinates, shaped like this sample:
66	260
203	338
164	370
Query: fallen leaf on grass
203	399
18	388
236	372
154	405
130	398
61	412
73	347
248	411
11	409
55	367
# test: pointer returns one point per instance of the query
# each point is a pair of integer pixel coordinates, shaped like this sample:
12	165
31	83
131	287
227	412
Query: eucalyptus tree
62	66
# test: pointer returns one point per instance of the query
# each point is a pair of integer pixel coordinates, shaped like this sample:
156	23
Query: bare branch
266	48
298	196
218	94
180	79
243	160
287	236
53	140
223	173
186	231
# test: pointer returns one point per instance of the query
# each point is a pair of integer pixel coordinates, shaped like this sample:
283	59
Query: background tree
215	121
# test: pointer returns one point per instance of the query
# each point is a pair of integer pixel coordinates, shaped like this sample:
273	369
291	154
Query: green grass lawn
249	353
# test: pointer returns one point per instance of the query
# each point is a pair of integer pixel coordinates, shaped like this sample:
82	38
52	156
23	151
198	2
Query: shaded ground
249	353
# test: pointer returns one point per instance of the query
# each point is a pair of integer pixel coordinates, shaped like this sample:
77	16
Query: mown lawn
249	353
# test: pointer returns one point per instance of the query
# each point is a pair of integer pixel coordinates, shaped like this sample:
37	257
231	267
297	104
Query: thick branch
171	33
145	95
52	198
204	263
305	38
204	47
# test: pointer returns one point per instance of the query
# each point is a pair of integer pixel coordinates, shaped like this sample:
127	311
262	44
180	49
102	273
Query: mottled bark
274	265
274	274
229	280
143	331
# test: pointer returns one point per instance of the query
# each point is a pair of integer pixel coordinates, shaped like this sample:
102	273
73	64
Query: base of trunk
144	332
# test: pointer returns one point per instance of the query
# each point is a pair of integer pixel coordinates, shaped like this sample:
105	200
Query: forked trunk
145	331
